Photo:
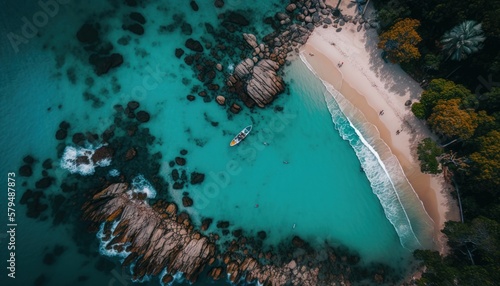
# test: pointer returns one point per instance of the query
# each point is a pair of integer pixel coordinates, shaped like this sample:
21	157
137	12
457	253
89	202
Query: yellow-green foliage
487	159
401	40
450	120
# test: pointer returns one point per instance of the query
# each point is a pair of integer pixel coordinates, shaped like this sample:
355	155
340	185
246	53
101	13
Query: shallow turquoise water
320	194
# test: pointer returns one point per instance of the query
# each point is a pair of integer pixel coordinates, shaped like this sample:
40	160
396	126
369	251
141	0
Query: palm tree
464	39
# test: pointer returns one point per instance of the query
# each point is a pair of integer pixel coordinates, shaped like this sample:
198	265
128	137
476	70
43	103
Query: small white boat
238	138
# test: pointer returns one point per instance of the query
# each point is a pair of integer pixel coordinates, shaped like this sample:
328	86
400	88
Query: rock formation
158	238
262	82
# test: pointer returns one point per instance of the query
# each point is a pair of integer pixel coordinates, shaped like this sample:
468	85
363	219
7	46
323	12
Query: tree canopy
449	119
462	40
486	161
401	40
440	89
428	152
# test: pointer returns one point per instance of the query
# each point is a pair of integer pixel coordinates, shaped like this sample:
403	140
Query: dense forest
453	48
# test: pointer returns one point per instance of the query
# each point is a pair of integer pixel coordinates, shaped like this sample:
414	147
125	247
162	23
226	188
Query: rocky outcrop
102	153
157	239
262	83
287	274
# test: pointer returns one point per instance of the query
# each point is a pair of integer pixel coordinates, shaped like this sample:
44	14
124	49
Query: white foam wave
114	173
141	185
102	244
381	174
78	160
230	68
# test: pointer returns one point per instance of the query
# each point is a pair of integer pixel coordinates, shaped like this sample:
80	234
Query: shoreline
372	86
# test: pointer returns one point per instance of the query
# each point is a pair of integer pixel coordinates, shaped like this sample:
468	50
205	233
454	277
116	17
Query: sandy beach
350	62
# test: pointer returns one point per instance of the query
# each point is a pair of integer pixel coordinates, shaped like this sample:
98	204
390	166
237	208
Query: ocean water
314	177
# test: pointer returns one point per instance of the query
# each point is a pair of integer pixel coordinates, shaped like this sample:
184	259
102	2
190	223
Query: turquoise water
306	181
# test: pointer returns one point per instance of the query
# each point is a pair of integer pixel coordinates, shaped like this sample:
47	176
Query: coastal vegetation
401	40
460	72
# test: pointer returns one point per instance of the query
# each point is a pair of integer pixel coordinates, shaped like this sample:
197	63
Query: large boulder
102	153
244	68
264	84
251	40
291	7
297	34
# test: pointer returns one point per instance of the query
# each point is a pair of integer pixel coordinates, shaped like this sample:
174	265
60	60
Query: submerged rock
194	45
197	178
187	201
135	28
25	171
102	64
88	34
138	17
142	116
179	52
61	134
194	6
237	18
219	3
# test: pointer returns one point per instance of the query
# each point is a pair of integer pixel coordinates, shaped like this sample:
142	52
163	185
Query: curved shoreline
398	180
363	69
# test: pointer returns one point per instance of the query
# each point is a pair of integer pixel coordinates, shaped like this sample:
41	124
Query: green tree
441	89
486	161
450	120
462	40
401	40
490	100
388	13
428	153
477	241
438	272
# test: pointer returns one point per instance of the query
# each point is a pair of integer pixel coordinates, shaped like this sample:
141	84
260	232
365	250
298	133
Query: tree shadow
394	78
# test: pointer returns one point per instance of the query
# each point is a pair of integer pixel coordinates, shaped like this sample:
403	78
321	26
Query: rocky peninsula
157	238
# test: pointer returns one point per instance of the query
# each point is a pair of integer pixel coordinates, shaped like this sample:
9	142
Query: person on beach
397	132
381	112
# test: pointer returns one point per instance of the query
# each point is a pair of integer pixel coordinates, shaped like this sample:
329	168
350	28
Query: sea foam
385	176
141	185
69	160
